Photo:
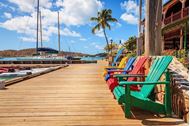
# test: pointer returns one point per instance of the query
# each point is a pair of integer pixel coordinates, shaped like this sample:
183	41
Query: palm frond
94	19
109	27
103	18
97	27
112	19
109	11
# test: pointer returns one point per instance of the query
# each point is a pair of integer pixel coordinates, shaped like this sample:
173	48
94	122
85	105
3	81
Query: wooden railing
176	16
185	12
173	33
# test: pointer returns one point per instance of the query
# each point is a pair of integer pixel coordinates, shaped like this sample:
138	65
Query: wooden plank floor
76	95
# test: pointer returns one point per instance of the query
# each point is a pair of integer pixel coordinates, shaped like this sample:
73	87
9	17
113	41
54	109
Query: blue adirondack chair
142	98
128	66
117	56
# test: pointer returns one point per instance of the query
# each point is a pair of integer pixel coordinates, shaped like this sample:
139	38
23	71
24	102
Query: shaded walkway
76	95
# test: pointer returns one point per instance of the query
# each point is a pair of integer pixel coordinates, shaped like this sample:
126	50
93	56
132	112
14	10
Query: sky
18	23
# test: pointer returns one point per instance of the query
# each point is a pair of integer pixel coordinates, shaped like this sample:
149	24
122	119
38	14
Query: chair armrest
112	71
142	83
129	75
107	68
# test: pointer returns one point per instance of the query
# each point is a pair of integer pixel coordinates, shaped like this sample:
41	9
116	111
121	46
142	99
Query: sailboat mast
58	32
41	28
37	27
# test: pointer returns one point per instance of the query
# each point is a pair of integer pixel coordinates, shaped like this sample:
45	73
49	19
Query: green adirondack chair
142	98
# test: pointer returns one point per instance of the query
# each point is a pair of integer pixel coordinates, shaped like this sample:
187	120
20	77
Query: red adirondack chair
137	69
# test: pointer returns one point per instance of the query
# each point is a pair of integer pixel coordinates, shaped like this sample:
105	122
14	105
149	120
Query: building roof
169	4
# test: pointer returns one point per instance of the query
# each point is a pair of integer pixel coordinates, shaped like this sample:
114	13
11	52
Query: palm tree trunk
106	39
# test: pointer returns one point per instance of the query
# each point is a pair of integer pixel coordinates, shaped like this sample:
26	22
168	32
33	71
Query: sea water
50	58
92	58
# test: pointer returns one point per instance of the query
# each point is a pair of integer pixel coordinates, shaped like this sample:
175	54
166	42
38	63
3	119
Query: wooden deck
76	95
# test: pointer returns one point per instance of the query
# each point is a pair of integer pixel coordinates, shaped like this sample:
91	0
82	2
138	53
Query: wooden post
139	29
183	6
158	36
163	42
150	28
185	36
181	39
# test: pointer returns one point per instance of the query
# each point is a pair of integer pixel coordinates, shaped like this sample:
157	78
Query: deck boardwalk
76	95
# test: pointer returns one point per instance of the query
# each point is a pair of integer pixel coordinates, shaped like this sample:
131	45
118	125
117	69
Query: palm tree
103	18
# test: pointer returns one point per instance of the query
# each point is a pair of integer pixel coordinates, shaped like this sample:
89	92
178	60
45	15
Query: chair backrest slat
117	56
123	62
129	64
137	67
157	69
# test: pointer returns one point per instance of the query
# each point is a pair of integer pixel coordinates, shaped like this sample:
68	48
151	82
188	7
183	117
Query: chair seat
112	83
119	93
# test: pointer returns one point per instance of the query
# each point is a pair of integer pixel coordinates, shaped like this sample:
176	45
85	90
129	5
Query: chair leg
168	96
127	102
127	111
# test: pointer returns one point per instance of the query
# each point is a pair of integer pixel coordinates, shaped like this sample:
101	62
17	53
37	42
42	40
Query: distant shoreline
30	51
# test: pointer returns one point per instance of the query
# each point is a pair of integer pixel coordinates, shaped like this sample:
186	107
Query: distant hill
99	55
31	51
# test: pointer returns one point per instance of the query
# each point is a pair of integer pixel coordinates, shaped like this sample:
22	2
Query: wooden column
183	6
185	35
164	16
139	52
162	49
158	36
181	39
150	28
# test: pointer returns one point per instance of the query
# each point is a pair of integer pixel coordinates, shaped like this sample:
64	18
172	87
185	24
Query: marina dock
74	95
46	61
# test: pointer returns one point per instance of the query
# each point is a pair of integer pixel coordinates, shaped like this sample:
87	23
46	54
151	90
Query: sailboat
43	50
72	57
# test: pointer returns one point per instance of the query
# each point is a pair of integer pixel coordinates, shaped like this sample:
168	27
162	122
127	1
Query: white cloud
59	3
131	14
2	5
99	33
70	14
99	47
67	32
27	25
29	5
72	41
129	18
78	12
96	46
26	39
7	15
118	24
130	6
83	39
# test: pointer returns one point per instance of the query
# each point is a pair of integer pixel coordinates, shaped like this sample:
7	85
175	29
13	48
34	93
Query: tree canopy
103	18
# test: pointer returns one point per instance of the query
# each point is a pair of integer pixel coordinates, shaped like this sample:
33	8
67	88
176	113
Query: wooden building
175	25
